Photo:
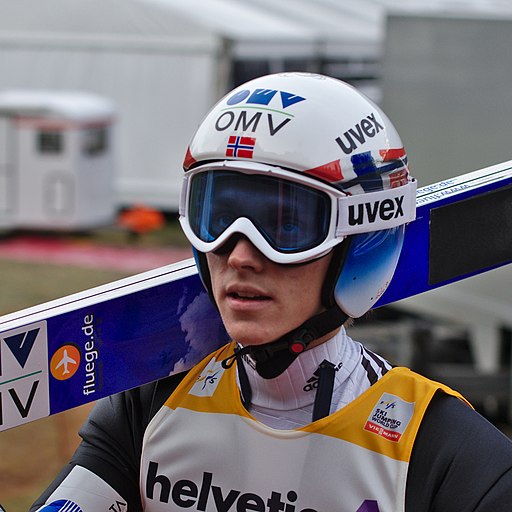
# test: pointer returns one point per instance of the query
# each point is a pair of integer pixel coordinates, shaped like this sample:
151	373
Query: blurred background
99	98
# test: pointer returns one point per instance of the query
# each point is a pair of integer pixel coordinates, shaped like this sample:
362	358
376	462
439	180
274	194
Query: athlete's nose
243	254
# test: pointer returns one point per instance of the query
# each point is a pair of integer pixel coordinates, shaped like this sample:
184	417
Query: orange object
141	219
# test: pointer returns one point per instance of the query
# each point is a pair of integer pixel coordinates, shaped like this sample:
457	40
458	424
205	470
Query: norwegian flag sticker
240	147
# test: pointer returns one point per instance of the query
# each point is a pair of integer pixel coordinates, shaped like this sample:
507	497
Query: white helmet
298	163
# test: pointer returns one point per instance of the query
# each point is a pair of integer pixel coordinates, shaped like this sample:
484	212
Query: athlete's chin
251	332
254	322
249	336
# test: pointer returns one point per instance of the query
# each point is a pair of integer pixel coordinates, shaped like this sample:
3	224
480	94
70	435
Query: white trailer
56	160
163	69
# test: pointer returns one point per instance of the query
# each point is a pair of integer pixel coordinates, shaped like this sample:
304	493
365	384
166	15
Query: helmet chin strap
273	358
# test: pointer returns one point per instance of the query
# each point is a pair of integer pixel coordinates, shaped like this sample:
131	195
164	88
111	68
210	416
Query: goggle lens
290	216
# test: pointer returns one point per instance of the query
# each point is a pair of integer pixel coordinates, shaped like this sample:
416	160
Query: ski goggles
289	217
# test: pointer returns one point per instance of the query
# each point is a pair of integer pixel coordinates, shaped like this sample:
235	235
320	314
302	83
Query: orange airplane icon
65	362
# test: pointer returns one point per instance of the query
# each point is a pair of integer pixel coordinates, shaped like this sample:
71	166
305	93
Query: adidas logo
312	383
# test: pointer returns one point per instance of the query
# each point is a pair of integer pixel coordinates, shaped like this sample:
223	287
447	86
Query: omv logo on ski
21	344
23	375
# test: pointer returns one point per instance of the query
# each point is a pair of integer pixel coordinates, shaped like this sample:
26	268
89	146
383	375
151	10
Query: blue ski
73	350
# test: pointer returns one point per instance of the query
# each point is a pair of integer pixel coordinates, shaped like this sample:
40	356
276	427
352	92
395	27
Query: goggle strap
182	209
375	211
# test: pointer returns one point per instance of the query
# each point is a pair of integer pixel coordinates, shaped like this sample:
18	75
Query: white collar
296	387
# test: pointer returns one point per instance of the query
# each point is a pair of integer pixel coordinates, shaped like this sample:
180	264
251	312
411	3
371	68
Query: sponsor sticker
65	362
240	147
377	210
390	417
365	129
207	382
24	392
264	97
62	506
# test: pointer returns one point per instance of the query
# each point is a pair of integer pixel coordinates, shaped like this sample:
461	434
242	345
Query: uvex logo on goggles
377	210
383	210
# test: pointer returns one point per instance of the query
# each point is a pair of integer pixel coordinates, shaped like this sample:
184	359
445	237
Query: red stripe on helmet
392	154
189	160
398	178
329	172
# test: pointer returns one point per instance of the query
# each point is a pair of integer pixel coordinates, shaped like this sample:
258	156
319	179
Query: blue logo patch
264	97
62	506
21	345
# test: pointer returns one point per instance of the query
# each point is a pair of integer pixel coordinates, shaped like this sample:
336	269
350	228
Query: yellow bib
204	451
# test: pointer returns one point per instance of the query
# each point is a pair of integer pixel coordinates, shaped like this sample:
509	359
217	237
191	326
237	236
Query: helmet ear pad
333	273
368	265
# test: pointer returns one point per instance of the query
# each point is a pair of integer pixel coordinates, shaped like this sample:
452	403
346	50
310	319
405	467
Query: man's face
260	301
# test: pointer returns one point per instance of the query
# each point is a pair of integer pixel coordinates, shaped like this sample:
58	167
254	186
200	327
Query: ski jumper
394	441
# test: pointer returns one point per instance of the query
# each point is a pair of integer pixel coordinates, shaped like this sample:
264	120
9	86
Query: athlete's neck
295	387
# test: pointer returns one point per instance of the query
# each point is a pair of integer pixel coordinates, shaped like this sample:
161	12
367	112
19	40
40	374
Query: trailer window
95	141
50	141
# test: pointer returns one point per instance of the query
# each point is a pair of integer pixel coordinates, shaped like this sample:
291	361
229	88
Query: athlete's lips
246	293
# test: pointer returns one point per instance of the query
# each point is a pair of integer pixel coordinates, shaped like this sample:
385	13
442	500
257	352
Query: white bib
204	452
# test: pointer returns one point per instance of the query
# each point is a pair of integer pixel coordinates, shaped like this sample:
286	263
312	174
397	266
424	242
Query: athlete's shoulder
136	406
414	387
112	438
459	460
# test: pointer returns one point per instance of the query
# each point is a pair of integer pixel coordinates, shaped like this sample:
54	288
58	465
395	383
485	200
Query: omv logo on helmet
267	102
264	97
61	506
